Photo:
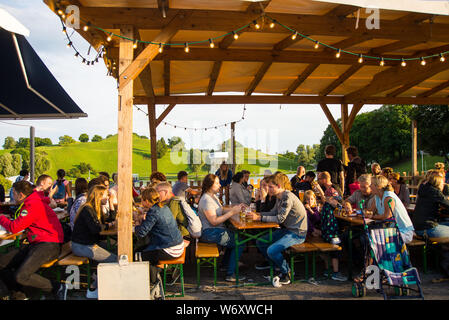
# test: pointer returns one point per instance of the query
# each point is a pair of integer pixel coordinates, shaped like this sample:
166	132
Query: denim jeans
20	266
93	252
440	231
282	239
225	238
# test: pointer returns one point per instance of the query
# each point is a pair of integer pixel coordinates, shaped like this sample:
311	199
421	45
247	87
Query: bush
74	172
83	138
96	138
66	140
10	143
7	184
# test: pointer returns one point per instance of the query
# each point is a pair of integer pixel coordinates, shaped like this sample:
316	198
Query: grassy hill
102	156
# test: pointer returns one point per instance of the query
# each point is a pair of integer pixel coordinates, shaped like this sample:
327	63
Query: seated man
19	267
364	193
181	187
306	183
46	191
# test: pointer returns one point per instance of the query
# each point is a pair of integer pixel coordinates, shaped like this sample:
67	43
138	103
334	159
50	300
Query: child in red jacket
19	267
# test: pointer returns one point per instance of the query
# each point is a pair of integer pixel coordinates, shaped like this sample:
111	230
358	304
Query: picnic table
242	228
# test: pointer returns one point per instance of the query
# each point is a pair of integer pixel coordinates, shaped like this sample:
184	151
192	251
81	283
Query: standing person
356	167
165	239
212	216
333	166
400	188
23	175
224	173
81	196
238	193
296	179
88	223
388	204
290	214
63	192
20	266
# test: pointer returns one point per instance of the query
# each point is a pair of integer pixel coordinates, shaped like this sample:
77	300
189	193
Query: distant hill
102	156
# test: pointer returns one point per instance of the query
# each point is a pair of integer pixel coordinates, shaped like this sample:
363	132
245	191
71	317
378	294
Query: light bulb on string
272	24
403	63
316	46
294	35
60	12
236	35
76	54
211	43
423	62
382	62
442	58
109	38
256	25
64	30
135	44
69	44
186	47
160	48
86	27
360	58
338	54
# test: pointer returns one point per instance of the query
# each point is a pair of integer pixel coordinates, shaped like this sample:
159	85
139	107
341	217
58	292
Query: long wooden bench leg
198	261
182	279
306	262
292	266
215	271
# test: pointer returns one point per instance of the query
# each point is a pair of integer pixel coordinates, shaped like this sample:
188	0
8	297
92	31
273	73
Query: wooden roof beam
301	78
163	7
434	90
218	20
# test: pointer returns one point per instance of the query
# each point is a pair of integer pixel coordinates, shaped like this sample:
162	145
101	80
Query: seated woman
426	215
81	193
88	224
264	201
63	192
238	193
165	239
212	216
388	203
400	188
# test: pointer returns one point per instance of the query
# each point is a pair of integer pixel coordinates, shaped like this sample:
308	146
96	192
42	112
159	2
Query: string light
69	44
64	30
135	45
272	24
360	58
338	54
60	12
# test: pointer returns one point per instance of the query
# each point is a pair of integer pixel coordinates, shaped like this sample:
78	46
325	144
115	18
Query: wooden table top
239	225
110	232
7	204
10	236
354	220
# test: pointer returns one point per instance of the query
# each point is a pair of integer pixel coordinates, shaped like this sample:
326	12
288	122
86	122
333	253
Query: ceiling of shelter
267	60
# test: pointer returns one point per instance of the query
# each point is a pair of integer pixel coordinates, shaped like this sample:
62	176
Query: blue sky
271	128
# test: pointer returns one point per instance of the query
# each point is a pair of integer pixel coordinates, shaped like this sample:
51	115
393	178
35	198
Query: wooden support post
414	148
345	132
233	147
153	138
32	155
124	148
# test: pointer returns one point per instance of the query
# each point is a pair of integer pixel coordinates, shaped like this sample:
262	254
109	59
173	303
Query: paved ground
322	289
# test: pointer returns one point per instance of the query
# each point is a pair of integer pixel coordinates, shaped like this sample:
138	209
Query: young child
313	214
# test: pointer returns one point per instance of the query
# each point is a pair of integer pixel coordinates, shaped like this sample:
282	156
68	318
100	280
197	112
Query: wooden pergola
262	60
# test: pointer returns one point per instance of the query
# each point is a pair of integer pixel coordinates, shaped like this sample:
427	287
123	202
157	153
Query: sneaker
61	294
92	294
232	278
263	266
338	277
326	274
336	240
276	282
284	278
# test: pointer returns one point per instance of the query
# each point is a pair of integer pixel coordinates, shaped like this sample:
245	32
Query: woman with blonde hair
388	205
88	223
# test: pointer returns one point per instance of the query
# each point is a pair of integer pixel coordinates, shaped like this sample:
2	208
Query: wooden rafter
148	18
434	90
301	78
333	123
354	111
342	78
258	77
213	77
164	114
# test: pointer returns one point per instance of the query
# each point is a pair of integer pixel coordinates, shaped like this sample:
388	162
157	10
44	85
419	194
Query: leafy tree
39	142
42	163
176	142
196	161
25	156
161	148
144	137
23	143
6	183
10	143
74	172
96	138
64	140
109	135
433	128
83	137
10	164
85	168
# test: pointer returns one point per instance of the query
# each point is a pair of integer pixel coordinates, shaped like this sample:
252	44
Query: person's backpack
194	222
60	194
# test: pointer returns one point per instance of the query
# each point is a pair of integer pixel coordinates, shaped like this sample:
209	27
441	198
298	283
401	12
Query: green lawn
427	161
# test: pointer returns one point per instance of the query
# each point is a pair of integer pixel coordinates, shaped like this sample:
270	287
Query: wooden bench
417	242
206	253
326	248
178	262
302	249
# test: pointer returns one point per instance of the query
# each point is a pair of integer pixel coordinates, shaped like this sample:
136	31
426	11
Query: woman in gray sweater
238	193
290	213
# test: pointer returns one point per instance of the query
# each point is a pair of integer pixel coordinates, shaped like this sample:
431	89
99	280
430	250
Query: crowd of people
167	218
